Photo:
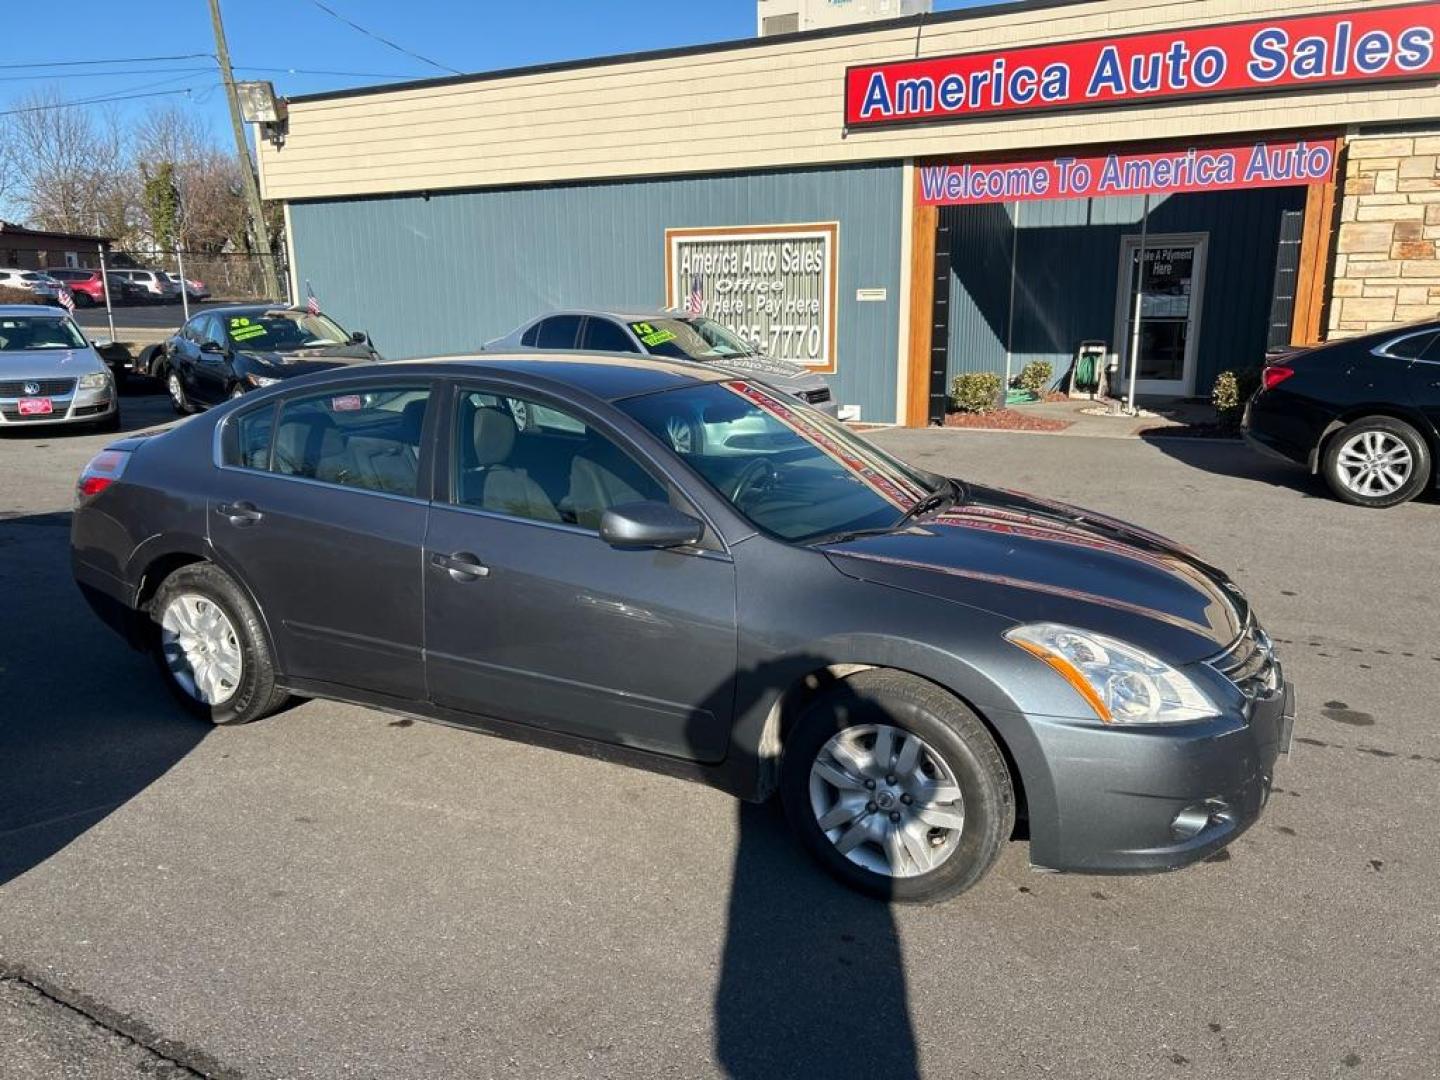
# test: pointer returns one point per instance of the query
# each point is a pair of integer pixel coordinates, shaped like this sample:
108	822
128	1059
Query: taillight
1274	375
104	469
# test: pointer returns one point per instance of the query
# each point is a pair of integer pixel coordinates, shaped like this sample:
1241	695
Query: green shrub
1232	390
1035	376
977	391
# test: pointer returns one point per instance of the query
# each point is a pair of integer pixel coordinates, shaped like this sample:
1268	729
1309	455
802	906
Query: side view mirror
648	525
359	337
211	347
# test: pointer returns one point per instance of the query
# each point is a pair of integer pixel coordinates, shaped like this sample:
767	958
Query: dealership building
901	201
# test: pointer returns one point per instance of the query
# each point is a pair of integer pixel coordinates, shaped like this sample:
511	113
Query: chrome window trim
328	485
1383	349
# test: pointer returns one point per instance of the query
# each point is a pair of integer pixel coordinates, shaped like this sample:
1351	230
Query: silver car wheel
177	392
887	800
681	435
1375	464
201	648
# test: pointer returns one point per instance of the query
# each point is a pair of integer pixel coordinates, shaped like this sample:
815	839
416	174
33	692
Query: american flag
695	299
312	305
67	301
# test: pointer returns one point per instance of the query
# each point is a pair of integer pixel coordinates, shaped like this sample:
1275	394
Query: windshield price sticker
242	329
773	286
649	336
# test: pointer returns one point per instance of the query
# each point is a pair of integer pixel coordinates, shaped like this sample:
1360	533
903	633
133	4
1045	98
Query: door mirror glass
359	337
649	525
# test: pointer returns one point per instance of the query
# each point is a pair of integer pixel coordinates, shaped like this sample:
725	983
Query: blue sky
468	35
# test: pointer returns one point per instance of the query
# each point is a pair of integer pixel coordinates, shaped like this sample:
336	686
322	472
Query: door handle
240	513
462	566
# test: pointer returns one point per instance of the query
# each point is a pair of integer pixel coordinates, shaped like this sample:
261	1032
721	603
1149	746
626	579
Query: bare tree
212	199
72	170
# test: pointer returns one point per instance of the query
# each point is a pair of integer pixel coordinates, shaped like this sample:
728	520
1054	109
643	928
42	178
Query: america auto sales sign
1376	43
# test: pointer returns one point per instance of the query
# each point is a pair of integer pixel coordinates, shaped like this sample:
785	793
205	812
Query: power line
113	60
384	41
95	101
100	74
313	71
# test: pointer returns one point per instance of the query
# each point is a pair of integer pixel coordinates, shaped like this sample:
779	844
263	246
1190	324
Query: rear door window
559	332
604	335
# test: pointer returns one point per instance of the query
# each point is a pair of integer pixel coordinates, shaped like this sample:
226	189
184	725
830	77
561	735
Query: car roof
245	309
608	376
623	314
32	309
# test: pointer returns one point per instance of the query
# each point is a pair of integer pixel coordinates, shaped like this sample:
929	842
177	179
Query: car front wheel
897	788
211	647
1377	462
179	400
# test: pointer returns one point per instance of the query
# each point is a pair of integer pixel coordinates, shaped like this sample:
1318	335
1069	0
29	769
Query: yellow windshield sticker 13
649	336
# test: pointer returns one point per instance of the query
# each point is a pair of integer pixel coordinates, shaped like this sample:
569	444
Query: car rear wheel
179	400
1377	462
897	788
211	647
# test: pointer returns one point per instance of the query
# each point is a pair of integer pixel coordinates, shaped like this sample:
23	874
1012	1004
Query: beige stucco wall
1387	262
763	106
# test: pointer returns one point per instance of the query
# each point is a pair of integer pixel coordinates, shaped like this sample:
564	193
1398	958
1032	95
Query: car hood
1033	560
49	364
781	374
286	365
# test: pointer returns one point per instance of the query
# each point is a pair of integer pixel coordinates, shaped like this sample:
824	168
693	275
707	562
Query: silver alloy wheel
177	393
1374	464
201	648
887	800
682	437
238	392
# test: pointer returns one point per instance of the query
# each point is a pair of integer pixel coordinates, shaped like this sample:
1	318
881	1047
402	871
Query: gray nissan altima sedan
923	668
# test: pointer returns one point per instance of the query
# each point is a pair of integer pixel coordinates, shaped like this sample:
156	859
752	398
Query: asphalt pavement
340	892
143	316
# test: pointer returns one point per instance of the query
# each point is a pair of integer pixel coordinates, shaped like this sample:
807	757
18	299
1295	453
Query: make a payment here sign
1374	43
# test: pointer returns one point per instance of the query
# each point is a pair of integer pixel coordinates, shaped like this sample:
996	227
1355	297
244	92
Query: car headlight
260	380
1123	684
96	380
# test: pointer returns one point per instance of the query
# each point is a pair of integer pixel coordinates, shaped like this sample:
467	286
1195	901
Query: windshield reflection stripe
856	464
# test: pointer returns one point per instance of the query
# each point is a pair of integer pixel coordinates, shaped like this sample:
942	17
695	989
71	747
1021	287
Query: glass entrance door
1172	272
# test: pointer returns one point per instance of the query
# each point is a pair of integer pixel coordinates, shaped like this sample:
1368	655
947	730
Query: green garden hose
1087	371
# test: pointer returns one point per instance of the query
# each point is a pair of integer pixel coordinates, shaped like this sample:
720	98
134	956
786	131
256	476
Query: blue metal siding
1068	260
449	272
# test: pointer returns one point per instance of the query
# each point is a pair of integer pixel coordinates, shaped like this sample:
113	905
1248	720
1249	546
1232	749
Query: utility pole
259	230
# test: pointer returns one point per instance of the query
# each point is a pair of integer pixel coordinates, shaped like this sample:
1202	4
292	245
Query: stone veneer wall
1387	263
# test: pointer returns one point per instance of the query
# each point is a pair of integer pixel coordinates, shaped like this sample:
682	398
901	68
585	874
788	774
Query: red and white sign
36	406
1198	169
1365	45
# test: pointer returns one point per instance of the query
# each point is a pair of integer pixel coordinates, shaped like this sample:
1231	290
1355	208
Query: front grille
815	397
14	388
1250	662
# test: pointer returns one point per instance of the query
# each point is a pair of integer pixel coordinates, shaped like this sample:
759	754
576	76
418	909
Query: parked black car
1363	412
912	661
225	351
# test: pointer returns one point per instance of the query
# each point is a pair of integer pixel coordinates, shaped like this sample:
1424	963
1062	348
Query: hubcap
681	437
174	384
887	800
1375	464
201	648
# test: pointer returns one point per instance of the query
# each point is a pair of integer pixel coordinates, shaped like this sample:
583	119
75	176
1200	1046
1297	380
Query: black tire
1388	429
151	361
175	389
82	299
256	696
952	731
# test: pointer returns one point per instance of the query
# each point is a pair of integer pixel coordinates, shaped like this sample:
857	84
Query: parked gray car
923	668
50	374
671	335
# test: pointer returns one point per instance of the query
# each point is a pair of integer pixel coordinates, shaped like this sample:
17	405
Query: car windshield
679	339
20	332
790	470
284	331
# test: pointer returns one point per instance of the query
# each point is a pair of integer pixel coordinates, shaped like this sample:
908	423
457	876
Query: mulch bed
1005	420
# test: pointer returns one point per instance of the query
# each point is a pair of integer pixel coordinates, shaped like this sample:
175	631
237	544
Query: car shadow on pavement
85	725
812	980
1237	459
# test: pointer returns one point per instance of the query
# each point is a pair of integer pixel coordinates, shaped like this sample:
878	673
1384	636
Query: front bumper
1135	800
